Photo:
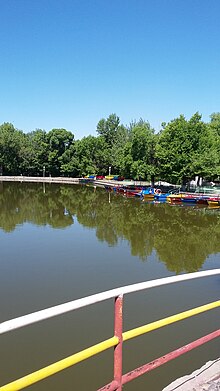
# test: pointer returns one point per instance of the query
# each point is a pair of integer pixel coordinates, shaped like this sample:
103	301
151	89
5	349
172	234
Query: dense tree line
182	149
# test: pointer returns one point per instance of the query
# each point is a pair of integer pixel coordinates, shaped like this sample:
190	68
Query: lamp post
43	171
109	170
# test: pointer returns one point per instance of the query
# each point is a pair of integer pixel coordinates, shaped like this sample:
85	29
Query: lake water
62	242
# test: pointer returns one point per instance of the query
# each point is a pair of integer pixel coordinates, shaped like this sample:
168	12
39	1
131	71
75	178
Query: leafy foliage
183	148
187	148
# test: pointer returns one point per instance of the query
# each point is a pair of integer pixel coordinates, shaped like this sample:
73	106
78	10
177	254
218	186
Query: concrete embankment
206	378
67	180
22	178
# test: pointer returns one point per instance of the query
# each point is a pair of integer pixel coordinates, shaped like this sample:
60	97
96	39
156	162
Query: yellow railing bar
59	365
164	322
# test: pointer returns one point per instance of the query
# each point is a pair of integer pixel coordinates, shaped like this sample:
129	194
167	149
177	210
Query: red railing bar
118	330
110	387
168	357
162	360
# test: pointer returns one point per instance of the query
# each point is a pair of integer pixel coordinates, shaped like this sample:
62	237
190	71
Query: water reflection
183	237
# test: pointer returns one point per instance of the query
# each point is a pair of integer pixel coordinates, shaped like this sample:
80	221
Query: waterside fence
119	337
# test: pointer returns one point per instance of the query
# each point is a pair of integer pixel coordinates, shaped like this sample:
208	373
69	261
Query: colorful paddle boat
159	196
213	201
148	194
188	198
174	198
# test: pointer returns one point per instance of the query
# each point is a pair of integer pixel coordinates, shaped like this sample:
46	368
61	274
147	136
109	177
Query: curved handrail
119	336
47	313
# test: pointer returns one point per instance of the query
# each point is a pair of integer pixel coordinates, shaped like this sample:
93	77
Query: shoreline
69	180
21	178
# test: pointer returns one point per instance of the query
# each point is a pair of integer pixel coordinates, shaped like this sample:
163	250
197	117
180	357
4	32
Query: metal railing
119	336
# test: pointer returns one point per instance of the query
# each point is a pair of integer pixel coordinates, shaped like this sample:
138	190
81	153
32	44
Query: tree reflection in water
183	237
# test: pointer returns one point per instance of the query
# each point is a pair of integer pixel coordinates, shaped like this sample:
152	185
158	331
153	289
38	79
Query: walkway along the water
69	180
206	378
21	178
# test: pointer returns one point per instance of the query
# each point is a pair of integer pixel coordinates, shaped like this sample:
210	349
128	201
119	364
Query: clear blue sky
69	63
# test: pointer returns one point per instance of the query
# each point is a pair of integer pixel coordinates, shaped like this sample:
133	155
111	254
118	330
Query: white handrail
47	313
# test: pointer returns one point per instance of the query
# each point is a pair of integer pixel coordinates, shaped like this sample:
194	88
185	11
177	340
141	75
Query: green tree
116	152
171	151
127	160
59	140
215	122
139	159
89	155
143	149
214	128
108	128
185	149
36	150
11	141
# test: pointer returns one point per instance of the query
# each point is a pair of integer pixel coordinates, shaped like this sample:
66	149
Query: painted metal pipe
45	372
118	348
168	357
170	319
162	360
109	387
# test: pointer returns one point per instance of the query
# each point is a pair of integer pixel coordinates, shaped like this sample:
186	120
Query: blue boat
189	199
162	197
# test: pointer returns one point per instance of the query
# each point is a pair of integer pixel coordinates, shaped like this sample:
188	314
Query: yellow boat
213	203
109	177
174	198
149	197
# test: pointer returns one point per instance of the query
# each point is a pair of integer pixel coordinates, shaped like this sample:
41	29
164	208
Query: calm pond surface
62	242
